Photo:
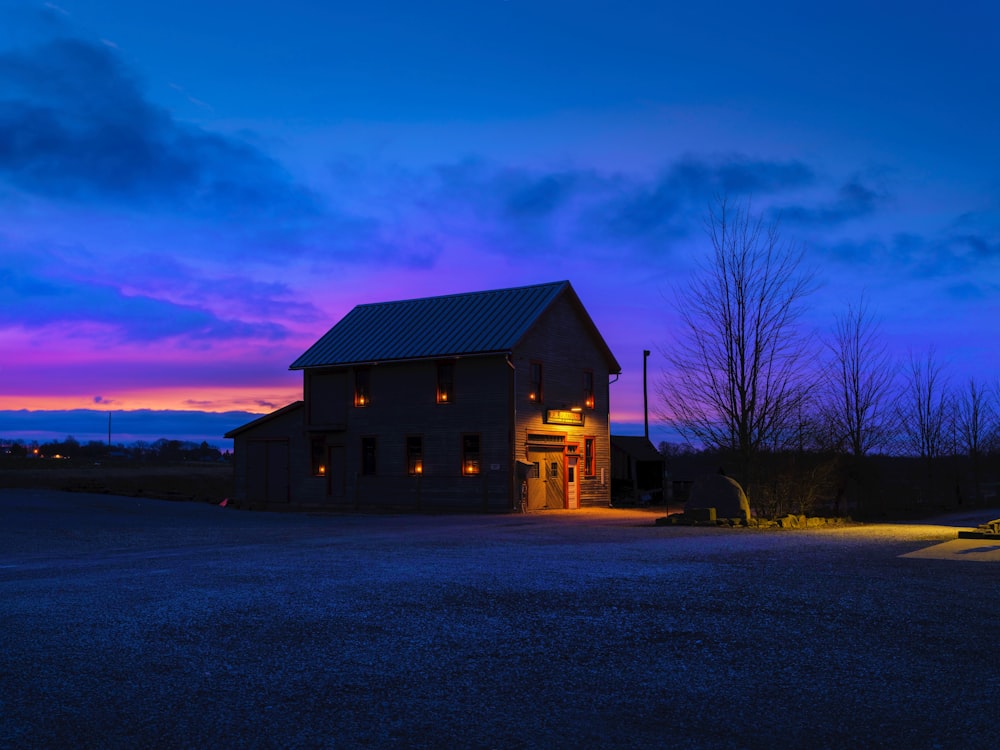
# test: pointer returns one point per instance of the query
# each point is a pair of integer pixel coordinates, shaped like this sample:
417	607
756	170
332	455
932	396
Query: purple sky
192	192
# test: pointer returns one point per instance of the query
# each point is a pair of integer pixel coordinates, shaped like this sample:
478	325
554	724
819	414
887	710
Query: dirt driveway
143	623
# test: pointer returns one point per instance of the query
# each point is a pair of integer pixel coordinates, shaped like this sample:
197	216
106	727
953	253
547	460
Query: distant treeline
162	450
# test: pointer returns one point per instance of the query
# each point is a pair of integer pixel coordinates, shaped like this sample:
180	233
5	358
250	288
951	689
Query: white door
572	482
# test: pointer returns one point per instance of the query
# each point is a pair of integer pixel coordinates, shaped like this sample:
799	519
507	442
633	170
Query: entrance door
267	472
545	480
572	482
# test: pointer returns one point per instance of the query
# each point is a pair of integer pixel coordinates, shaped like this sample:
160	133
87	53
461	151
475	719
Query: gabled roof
447	326
265	418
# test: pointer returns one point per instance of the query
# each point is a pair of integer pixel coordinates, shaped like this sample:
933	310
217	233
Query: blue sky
193	192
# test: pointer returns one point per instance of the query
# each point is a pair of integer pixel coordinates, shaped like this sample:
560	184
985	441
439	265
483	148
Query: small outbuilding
464	402
637	470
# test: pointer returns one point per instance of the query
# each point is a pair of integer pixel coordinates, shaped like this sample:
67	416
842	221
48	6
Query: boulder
720	492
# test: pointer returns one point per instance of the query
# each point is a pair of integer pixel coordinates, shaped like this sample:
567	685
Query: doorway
546	480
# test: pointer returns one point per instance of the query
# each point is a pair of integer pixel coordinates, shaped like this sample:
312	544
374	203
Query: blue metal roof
451	325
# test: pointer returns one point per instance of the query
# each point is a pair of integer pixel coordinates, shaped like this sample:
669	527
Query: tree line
804	418
158	451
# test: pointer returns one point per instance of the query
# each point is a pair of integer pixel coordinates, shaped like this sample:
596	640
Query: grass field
198	482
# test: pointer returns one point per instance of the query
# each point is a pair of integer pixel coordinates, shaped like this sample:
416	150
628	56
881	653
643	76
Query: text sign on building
560	416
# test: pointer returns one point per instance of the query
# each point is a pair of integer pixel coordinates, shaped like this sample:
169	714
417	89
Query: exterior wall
264	460
403	403
562	343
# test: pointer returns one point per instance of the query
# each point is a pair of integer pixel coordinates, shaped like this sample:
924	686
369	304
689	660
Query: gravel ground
131	623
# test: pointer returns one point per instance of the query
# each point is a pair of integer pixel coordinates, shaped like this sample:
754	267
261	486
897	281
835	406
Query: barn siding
490	400
562	342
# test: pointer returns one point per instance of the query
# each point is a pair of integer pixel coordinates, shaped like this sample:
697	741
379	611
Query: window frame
472	461
589	400
317	456
369	469
589	456
362	387
445	385
414	460
536	381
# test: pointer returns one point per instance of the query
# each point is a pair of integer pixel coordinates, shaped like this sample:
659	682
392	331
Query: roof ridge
455	295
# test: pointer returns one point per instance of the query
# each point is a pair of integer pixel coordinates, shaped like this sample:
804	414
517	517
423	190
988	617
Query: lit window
362	387
535	382
588	457
470	455
317	452
588	389
414	455
445	382
368	455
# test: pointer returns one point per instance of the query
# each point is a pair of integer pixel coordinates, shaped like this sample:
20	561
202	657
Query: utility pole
645	395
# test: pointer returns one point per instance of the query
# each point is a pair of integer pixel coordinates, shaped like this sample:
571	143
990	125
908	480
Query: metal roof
451	325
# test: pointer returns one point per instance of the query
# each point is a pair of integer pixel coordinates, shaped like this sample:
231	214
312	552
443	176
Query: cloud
35	300
75	126
542	212
854	200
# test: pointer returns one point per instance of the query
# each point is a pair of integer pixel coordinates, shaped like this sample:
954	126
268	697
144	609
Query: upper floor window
588	389
535	382
414	455
445	382
368	455
471	456
362	386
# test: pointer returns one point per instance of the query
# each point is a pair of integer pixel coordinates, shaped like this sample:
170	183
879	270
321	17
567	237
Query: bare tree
923	412
975	419
859	383
735	378
857	407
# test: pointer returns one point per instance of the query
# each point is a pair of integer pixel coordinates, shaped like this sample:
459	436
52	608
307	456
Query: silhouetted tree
736	369
975	417
858	409
923	412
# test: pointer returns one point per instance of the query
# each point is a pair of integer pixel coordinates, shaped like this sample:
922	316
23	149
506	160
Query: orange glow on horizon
255	401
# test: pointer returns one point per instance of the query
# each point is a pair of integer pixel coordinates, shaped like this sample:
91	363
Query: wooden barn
477	401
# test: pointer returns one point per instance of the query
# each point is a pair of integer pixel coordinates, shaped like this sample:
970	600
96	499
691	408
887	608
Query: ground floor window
414	455
588	457
317	456
368	455
471	457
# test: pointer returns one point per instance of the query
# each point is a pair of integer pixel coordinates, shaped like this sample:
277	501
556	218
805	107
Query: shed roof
447	326
640	448
288	408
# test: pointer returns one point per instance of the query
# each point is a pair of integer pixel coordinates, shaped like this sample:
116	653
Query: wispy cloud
74	125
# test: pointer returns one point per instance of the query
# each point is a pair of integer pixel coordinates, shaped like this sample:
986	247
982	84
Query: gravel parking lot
143	623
